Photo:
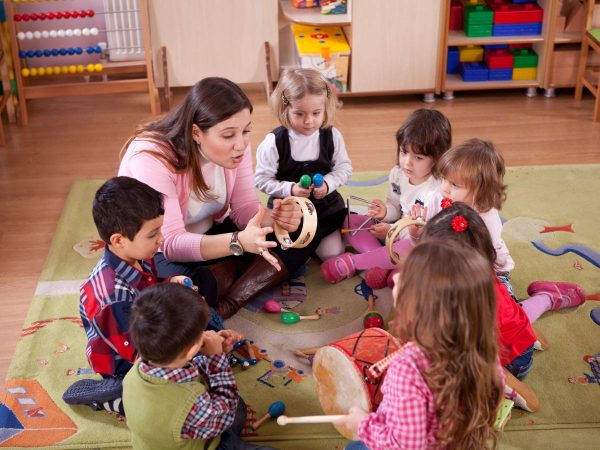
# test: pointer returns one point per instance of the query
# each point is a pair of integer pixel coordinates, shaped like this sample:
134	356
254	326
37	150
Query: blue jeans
356	445
231	440
521	365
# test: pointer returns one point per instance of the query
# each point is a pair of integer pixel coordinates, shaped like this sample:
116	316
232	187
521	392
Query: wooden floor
80	137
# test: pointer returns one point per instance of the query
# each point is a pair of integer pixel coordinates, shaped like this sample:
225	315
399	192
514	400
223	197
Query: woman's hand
230	338
380	230
299	191
320	192
377	209
287	216
254	238
352	419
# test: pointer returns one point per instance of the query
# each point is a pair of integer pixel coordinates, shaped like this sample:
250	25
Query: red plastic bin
501	58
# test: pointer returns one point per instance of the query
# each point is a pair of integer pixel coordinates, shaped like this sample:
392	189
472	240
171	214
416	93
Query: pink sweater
180	245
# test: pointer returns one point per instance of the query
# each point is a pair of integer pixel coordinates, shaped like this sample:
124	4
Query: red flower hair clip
459	224
446	203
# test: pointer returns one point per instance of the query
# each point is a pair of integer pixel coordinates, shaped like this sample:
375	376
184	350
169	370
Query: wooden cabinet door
395	45
215	38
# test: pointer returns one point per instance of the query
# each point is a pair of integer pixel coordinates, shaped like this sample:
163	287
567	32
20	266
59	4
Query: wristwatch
235	246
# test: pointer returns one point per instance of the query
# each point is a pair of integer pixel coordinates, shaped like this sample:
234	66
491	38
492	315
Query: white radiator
124	30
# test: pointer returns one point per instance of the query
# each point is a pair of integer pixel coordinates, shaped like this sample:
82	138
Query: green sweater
157	409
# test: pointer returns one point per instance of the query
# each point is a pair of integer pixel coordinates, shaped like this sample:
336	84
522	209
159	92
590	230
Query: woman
215	229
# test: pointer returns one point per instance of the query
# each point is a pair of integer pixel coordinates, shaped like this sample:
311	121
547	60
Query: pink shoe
562	295
339	268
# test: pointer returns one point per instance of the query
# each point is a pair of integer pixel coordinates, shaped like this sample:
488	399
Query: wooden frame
6	100
589	41
143	84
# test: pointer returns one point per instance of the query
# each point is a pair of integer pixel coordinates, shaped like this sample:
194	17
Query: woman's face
224	143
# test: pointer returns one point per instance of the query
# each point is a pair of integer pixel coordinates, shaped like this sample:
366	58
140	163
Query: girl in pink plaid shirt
444	389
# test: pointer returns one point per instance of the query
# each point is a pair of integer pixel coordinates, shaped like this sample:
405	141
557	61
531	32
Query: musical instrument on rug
350	372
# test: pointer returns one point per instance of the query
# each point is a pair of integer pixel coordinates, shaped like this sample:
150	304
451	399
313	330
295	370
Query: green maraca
290	317
305	181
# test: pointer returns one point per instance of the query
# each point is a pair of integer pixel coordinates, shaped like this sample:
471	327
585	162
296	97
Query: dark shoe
88	391
259	276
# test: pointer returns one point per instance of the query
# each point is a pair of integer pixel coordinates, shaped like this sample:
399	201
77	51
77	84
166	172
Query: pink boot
338	268
562	295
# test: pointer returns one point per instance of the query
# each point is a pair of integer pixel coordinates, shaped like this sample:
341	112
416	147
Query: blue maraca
317	180
275	410
188	282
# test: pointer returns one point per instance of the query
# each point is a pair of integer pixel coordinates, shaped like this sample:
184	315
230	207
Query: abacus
118	46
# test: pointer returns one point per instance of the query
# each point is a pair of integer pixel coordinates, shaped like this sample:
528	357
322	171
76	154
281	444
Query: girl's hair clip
446	203
284	99
459	224
328	90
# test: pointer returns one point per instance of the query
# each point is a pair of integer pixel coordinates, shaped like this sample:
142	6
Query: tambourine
395	230
309	224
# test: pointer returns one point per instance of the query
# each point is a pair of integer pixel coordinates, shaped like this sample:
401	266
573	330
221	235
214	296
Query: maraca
188	282
272	306
275	410
305	181
289	317
317	180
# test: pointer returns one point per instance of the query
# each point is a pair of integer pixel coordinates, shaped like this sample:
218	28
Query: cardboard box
324	49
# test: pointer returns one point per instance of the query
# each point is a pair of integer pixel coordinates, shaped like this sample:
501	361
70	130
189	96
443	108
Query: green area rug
551	230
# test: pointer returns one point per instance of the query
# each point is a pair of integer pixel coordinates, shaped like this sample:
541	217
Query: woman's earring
284	99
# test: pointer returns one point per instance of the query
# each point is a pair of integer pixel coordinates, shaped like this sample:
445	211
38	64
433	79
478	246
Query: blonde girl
306	143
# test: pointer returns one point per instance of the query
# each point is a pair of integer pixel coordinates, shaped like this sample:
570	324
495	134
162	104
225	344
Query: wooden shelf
454	82
312	16
567	38
456	38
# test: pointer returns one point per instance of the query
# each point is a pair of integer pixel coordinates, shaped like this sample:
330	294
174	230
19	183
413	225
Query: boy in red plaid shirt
128	215
183	384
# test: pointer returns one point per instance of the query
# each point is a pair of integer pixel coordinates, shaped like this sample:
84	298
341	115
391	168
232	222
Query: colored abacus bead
80	68
41	71
317	180
77	32
20	35
98	67
42	16
47	52
58	15
79	50
45	34
30	53
83	13
29	35
60	33
70	51
90	13
51	16
63	51
90	67
72	69
94	31
25	72
22	54
68	32
74	14
37	34
98	49
39	53
85	31
55	52
56	70
305	181
33	72
53	33
89	50
17	17
67	14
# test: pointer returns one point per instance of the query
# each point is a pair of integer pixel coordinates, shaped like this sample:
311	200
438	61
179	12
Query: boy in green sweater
181	394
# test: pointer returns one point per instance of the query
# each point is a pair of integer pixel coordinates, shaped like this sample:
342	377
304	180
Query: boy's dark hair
427	132
122	205
166	320
476	235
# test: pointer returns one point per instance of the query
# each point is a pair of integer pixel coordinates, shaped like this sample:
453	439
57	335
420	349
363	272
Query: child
473	173
445	388
517	338
182	393
306	144
128	215
421	140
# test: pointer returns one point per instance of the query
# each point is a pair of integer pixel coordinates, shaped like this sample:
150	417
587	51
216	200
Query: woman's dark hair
209	102
166	320
122	205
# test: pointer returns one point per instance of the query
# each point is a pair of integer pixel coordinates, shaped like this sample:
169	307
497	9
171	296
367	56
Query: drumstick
349	230
360	227
284	420
360	199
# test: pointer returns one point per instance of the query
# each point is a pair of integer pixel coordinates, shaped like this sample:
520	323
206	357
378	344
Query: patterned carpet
551	229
